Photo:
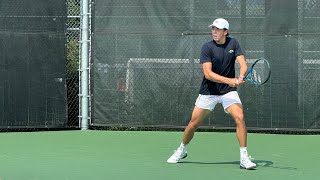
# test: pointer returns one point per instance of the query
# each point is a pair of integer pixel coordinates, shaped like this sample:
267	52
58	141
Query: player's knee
239	118
193	125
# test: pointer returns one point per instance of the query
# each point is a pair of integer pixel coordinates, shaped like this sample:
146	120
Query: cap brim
216	26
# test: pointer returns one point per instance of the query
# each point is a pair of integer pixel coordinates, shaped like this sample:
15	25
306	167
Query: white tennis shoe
179	154
245	163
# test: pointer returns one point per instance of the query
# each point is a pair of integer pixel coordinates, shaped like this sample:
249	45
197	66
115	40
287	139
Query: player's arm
212	76
243	67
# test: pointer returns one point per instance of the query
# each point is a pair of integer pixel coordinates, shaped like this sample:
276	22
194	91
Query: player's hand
234	82
240	80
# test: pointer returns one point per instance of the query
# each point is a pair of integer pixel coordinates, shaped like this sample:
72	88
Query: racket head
259	73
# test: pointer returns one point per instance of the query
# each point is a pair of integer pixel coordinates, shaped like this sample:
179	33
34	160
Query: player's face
219	35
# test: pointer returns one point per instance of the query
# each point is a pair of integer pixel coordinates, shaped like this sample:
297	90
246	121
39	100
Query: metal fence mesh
72	66
146	71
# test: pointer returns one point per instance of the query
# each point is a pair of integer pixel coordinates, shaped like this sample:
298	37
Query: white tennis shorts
210	101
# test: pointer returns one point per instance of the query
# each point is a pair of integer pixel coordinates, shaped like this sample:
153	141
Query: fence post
84	62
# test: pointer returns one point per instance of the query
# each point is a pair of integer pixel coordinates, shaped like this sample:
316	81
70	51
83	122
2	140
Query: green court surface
95	155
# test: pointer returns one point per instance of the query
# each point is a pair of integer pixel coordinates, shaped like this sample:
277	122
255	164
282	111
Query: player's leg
233	106
235	110
203	106
198	115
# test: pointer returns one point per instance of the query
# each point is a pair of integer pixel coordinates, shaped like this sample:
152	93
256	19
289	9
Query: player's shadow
260	163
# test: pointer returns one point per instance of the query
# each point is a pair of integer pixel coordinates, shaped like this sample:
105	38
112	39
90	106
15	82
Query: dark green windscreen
146	70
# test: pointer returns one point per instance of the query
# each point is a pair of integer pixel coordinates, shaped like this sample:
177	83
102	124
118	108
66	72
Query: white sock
183	146
243	152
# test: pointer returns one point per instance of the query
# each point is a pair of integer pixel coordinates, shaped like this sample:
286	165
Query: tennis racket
259	73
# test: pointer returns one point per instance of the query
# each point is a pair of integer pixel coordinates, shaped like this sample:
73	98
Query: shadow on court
260	163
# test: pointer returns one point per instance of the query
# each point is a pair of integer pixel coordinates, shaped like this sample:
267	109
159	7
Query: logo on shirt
231	51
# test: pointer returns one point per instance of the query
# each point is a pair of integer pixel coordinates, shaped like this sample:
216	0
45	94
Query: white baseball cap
220	23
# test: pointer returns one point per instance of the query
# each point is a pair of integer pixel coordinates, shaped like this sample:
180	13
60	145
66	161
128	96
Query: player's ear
226	32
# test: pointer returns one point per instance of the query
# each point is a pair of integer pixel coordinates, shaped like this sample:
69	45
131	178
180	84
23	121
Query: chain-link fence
147	71
73	36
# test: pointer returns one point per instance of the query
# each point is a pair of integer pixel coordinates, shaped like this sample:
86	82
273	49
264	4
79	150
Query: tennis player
219	84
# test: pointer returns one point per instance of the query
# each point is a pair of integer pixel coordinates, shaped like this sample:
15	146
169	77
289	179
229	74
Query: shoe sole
249	168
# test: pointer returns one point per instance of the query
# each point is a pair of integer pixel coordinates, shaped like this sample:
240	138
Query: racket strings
260	72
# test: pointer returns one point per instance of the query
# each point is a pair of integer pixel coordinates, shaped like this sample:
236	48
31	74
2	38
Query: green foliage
73	8
72	56
73	12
